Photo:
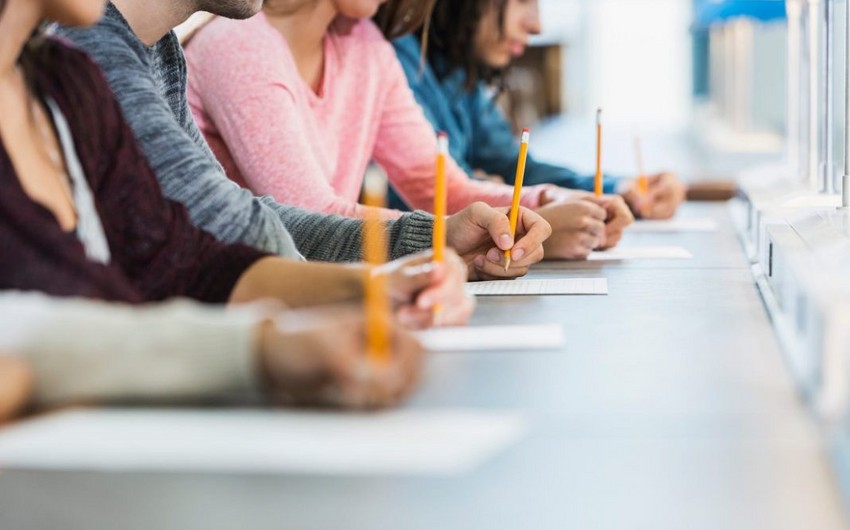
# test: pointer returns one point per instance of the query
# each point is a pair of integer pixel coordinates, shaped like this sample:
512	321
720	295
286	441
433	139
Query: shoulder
408	49
236	45
242	37
357	38
111	37
365	30
77	85
409	54
70	67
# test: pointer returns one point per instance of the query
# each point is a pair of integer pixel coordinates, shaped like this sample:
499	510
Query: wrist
546	193
624	186
412	233
265	335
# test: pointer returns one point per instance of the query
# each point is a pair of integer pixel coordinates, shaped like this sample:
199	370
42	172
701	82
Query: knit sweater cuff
411	234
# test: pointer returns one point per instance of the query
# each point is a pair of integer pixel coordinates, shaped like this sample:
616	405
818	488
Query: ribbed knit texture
89	228
150	84
157	253
277	136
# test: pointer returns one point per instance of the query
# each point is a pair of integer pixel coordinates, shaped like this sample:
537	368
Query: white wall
631	57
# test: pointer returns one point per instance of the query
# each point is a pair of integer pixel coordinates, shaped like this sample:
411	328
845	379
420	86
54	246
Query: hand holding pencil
415	289
656	196
319	357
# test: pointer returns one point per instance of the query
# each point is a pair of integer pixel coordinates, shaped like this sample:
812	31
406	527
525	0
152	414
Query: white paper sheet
489	338
449	442
812	201
631	253
537	287
697	224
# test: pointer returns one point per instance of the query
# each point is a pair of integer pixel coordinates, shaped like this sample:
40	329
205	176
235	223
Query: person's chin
82	16
360	14
500	63
237	10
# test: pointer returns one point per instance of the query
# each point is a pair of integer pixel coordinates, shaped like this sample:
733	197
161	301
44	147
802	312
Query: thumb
598	210
497	225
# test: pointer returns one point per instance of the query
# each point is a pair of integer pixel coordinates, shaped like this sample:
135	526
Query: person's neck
305	29
151	20
18	20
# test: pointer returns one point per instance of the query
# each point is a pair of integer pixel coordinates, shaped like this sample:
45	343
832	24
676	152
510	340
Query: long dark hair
451	38
36	56
397	18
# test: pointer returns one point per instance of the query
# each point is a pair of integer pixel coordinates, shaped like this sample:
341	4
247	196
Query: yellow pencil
642	181
440	192
375	254
597	181
520	175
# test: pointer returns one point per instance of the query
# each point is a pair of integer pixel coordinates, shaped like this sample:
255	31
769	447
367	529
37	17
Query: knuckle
478	208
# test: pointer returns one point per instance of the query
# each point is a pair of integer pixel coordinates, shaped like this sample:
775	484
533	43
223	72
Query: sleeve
407	147
185	172
190	176
426	91
153	241
495	150
84	350
249	94
319	236
339	239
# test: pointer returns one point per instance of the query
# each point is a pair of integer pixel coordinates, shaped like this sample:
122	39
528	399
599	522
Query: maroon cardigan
156	251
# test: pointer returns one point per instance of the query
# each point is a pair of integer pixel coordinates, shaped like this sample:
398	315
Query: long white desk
670	407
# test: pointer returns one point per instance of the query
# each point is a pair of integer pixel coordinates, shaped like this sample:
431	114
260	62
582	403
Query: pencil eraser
375	181
526	134
442	143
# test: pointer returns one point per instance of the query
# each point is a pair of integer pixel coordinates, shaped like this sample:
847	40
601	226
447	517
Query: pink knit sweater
276	136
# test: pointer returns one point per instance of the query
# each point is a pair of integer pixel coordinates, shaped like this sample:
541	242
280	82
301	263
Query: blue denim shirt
479	135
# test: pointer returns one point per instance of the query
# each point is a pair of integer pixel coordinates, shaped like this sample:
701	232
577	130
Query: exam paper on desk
695	224
414	442
576	286
633	253
490	338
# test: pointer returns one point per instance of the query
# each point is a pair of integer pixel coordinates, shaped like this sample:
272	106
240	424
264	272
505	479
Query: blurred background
702	82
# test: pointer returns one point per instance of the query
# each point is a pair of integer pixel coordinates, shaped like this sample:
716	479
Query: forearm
81	350
338	239
298	284
185	168
411	234
463	193
538	172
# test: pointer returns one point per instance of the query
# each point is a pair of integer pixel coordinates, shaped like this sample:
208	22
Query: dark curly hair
451	37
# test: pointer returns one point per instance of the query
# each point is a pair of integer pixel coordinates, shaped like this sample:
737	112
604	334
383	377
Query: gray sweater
150	84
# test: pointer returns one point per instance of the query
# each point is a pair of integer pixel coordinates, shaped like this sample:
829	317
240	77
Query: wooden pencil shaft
375	253
440	199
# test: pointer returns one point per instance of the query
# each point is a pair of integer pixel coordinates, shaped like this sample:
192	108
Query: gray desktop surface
669	407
